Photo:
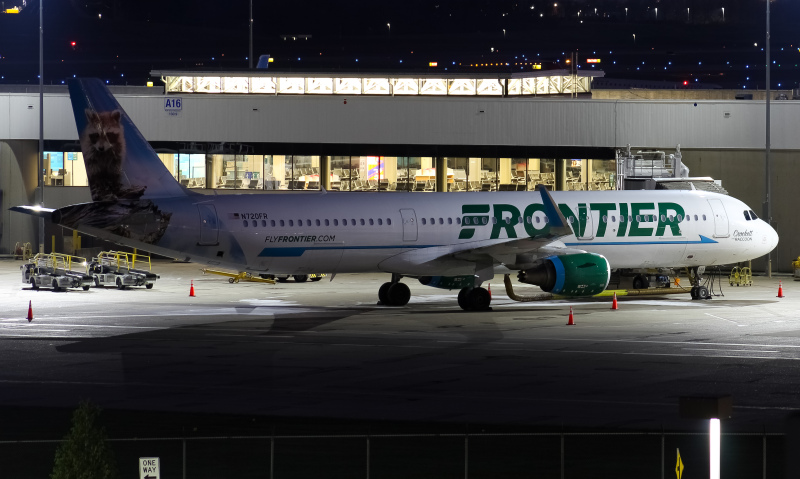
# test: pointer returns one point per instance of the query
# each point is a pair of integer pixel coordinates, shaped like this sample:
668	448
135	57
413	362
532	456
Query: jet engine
582	274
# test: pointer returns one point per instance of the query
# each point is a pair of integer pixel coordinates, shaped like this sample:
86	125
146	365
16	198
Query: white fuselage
408	233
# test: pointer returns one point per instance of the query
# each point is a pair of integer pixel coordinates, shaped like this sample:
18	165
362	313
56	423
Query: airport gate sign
148	468
172	105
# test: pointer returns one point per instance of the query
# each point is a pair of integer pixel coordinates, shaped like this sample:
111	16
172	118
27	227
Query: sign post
149	468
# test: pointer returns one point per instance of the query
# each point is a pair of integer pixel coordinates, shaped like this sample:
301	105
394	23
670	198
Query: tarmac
326	350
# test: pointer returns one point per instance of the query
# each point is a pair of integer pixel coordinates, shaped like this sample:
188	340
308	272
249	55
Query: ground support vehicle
240	276
117	268
56	271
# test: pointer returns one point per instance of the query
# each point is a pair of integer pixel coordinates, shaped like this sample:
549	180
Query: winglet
558	224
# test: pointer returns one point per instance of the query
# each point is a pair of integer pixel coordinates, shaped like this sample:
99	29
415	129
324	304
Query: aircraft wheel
149	286
398	294
300	278
478	299
641	282
462	298
693	292
702	293
383	293
33	284
85	287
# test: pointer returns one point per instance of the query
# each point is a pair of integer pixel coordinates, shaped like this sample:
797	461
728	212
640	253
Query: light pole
41	122
767	205
723	14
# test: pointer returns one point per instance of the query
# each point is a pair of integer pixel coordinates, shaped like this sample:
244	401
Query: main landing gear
394	293
474	299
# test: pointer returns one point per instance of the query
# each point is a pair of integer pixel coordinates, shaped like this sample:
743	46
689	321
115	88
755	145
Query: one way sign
148	468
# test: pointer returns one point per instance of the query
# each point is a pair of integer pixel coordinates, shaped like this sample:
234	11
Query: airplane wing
461	258
33	210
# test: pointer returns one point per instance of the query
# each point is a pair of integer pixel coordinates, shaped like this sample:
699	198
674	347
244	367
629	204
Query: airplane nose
769	238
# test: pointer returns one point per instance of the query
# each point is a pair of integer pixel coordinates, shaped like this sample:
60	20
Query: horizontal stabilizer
33	211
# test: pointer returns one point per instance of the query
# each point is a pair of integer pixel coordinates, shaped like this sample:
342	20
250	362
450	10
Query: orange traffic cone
30	312
571	321
614	303
780	289
191	289
490	291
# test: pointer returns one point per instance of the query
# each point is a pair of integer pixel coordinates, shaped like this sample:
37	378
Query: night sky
121	41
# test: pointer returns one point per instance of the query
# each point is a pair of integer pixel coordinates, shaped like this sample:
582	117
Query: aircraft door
720	218
409	224
209	225
584	229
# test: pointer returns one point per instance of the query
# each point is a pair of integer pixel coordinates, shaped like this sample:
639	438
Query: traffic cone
780	289
30	312
571	321
191	289
490	291
614	303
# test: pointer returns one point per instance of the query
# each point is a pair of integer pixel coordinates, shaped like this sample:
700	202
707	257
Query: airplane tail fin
120	164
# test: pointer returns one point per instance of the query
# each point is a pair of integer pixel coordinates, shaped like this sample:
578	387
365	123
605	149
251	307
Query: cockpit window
747	215
753	215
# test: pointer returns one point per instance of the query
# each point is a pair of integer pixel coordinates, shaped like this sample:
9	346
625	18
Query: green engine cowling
448	282
582	274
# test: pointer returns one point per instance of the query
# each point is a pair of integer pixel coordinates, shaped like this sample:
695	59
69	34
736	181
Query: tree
85	452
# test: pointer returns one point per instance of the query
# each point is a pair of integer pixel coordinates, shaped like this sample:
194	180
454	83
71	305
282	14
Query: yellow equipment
240	276
741	276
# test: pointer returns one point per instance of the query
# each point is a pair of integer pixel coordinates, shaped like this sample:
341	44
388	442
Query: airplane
566	242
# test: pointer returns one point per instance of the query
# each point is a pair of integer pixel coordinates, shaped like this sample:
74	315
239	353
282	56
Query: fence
450	455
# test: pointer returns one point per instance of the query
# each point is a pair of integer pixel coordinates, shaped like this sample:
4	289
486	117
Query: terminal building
267	132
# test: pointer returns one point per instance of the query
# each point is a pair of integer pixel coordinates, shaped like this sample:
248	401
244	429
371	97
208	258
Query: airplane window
244	223
317	222
466	220
327	222
528	219
363	222
747	215
508	221
264	223
605	218
272	223
630	219
344	221
753	215
695	218
335	222
291	222
389	221
371	222
571	219
537	220
680	218
663	218
704	217
449	221
423	220
380	222
621	219
441	221
308	222
282	223
353	222
433	221
486	220
458	220
637	218
255	223
613	219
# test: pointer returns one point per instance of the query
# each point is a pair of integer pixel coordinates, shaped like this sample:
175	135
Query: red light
685	82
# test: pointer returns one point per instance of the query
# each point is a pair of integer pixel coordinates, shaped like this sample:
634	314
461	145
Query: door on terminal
409	224
209	226
720	219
